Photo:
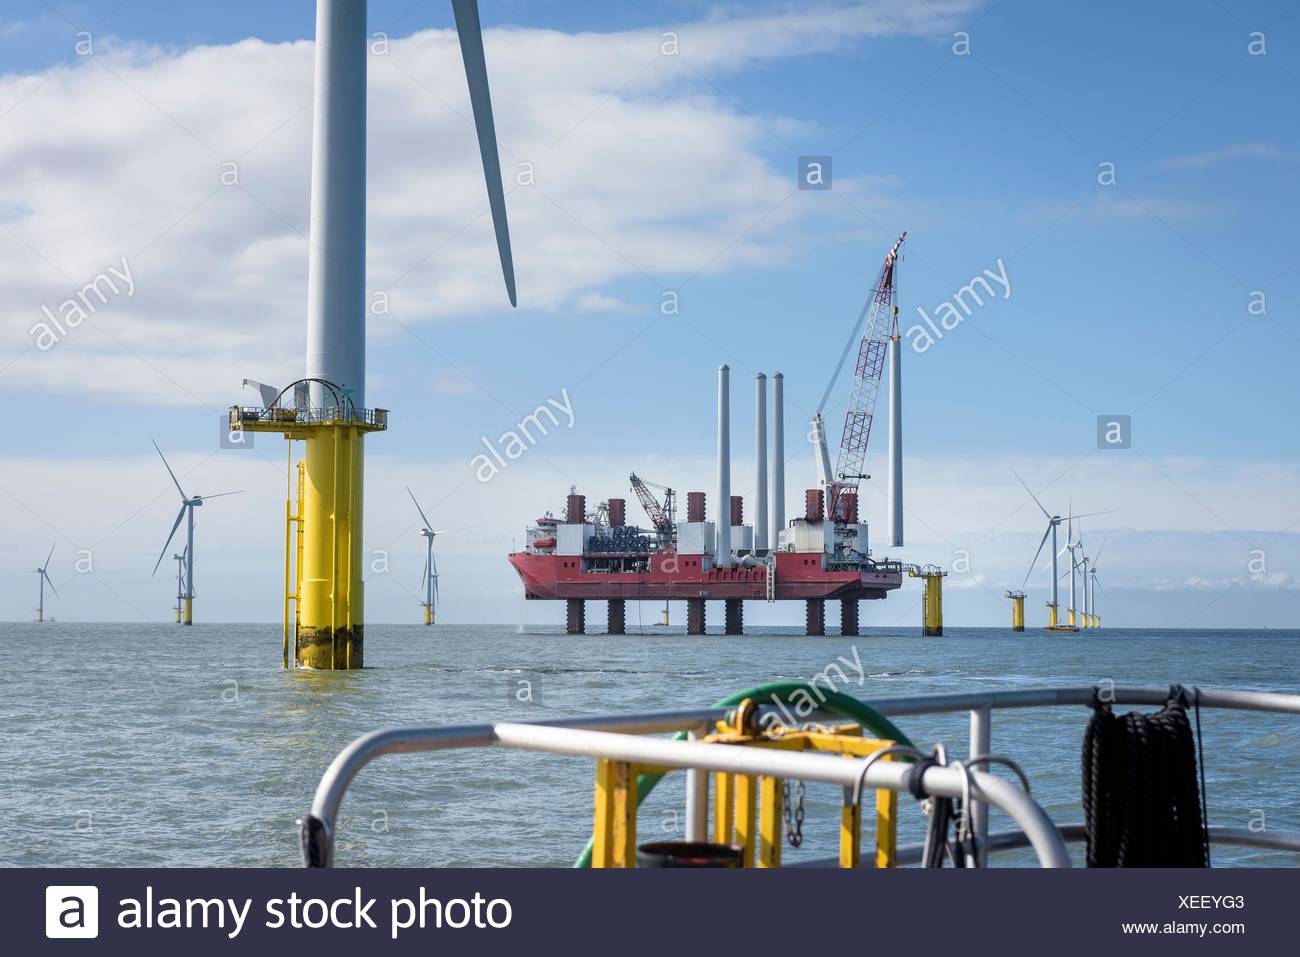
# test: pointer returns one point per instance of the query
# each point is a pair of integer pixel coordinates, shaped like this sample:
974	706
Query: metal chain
793	831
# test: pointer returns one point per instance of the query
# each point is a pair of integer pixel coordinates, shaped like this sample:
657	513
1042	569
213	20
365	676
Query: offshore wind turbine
1086	620
1093	585
429	577
1073	545
329	414
43	576
186	514
1053	523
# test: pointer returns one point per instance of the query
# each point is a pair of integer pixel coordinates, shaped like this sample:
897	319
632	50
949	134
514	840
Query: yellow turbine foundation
1017	610
323	522
187	615
428	615
1052	621
931	598
330	633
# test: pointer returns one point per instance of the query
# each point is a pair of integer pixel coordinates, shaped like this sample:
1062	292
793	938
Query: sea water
158	745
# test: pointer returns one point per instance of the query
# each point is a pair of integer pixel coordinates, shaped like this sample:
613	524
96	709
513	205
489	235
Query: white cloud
1236	151
642	169
598	302
1108	205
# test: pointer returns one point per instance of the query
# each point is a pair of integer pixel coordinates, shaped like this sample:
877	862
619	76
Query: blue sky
678	174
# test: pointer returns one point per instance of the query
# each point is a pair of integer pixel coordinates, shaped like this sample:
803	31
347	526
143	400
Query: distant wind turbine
188	505
1092	573
1053	522
43	576
429	577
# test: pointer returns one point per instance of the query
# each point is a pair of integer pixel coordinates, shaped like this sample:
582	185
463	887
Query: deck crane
878	321
663	517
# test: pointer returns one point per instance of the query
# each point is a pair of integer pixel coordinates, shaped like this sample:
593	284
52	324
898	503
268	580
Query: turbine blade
169	470
1040	547
458	528
1110	511
48	557
220	494
418	509
49	582
1032	495
1098	584
1099	551
470	32
424	574
179	517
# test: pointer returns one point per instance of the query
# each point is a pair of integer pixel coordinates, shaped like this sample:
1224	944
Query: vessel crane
878	321
662	516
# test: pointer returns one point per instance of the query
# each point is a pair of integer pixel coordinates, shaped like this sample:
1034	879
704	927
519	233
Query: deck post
617	614
849	617
734	609
576	616
981	740
815	616
695	617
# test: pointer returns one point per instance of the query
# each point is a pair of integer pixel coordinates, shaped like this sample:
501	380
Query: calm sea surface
153	745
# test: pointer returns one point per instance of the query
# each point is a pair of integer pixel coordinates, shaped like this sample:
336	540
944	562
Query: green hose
836	702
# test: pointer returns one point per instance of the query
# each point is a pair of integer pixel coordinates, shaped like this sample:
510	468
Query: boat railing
622	738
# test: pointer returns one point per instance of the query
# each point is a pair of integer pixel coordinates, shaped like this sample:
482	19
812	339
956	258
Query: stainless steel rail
612	736
1075	833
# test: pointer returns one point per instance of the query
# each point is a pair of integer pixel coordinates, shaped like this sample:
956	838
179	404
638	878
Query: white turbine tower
186	514
1073	545
429	578
1092	574
1086	621
43	576
1053	522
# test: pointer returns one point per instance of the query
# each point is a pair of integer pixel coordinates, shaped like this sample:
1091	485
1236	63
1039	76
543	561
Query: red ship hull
798	576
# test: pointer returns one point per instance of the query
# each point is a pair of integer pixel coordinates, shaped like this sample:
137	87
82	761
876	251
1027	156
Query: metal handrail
294	416
318	827
1286	841
575	736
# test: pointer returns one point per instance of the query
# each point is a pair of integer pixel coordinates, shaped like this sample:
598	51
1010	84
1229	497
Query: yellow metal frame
747	809
293	521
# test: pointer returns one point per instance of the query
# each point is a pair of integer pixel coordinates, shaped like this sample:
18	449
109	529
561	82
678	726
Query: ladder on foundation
771	578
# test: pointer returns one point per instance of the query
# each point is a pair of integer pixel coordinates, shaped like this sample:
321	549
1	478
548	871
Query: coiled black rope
1141	794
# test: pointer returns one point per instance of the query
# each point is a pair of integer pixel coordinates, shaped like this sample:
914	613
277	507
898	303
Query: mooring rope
1141	793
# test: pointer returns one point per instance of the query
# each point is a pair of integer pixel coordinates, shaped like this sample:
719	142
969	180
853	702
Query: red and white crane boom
878	321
